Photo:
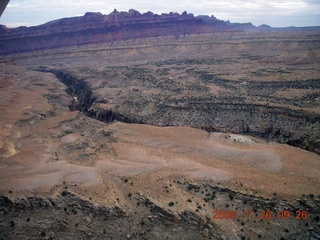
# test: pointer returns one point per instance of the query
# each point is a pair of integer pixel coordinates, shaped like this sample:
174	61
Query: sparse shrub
171	204
64	193
142	223
129	194
126	180
189	200
302	202
230	196
12	223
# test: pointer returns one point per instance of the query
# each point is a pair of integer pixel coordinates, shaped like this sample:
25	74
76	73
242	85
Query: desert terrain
149	137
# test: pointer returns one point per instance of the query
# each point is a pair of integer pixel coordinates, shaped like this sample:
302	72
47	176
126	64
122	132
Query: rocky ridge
95	28
75	216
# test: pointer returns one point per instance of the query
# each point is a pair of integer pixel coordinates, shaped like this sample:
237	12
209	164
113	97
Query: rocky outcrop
185	216
3	29
221	25
73	202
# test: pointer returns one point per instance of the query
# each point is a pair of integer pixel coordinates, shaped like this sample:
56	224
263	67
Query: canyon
140	126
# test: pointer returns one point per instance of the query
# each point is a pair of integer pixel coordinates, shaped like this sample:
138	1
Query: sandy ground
32	160
221	157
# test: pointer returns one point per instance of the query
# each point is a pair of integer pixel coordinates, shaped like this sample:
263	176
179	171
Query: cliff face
98	28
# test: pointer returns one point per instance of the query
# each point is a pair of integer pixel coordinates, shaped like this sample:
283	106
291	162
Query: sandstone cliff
95	28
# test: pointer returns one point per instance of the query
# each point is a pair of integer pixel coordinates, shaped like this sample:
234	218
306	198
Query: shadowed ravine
83	98
271	123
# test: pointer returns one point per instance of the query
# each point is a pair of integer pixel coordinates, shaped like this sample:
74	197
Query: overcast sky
277	13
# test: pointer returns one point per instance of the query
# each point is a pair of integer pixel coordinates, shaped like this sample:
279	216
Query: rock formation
98	28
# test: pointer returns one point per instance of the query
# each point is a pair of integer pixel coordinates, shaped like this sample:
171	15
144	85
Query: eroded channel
280	124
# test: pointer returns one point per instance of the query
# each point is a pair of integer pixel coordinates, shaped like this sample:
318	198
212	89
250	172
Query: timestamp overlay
263	214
